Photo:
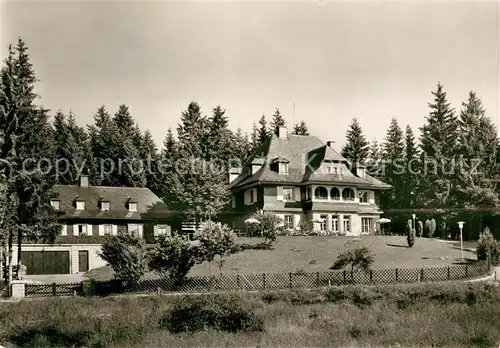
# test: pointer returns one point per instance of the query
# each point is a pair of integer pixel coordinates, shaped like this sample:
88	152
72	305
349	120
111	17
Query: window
308	193
80	205
104	205
287	193
322	225
335	223
363	197
289	222
347	223
365	225
82	230
332	169
55	204
162	230
348	194
108	230
133	229
320	193
283	168
132	206
335	194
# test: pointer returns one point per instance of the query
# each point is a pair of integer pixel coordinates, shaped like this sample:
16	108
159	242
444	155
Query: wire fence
263	281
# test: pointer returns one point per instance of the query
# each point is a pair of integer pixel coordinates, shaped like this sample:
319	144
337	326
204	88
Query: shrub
265	224
126	255
195	313
432	228
411	237
427	229
488	247
358	258
420	229
173	257
215	239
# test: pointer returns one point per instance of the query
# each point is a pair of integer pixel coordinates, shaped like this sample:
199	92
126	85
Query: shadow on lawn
397	245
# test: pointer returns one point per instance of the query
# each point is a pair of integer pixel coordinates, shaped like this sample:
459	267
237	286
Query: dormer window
280	165
80	205
55	204
104	205
132	206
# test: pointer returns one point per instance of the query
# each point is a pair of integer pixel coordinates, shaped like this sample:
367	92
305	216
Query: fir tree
263	131
300	129
191	132
374	160
254	138
412	167
149	153
356	148
276	122
241	148
124	121
219	142
24	130
393	162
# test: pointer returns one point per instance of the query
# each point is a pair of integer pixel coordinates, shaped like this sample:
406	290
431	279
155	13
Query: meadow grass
445	315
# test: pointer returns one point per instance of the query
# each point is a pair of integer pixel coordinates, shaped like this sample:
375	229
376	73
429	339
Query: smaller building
88	214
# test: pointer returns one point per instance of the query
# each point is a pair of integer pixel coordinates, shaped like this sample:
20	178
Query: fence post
290	279
264	280
422	275
238	281
54	289
448	272
317	278
344	273
371	276
466	271
396	271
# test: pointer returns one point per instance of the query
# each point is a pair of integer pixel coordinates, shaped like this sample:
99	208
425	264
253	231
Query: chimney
330	143
84	181
282	133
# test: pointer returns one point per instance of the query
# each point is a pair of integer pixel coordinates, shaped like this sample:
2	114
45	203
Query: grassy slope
133	321
312	254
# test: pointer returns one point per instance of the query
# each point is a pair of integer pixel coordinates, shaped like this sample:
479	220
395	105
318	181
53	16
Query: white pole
461	244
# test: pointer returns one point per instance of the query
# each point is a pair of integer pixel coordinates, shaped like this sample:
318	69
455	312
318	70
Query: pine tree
374	159
412	168
192	131
149	152
439	146
300	129
393	161
219	142
356	148
254	138
24	131
241	148
124	121
263	131
276	122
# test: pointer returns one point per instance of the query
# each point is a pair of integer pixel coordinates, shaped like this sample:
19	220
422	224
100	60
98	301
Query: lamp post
413	217
461	226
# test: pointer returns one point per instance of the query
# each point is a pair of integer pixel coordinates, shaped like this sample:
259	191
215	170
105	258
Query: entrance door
83	260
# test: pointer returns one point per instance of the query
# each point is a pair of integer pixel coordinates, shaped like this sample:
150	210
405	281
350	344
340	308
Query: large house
307	183
88	214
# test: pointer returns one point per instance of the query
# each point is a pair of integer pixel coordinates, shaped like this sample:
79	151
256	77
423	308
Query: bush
488	247
358	258
432	228
196	313
173	257
126	255
411	237
267	225
420	229
427	229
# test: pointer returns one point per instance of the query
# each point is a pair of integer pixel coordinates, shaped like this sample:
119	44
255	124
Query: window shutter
75	230
247	197
155	230
169	231
64	230
279	195
89	230
371	197
115	230
101	230
255	195
139	229
233	201
296	193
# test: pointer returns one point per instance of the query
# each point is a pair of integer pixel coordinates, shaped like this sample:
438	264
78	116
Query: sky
332	60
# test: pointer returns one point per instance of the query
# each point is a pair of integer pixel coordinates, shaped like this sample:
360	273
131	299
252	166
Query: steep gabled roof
117	197
305	155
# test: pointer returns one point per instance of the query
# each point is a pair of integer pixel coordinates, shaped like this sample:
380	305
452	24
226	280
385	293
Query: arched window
320	193
335	194
348	194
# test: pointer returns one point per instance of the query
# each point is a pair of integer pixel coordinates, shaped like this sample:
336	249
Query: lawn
452	315
313	254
